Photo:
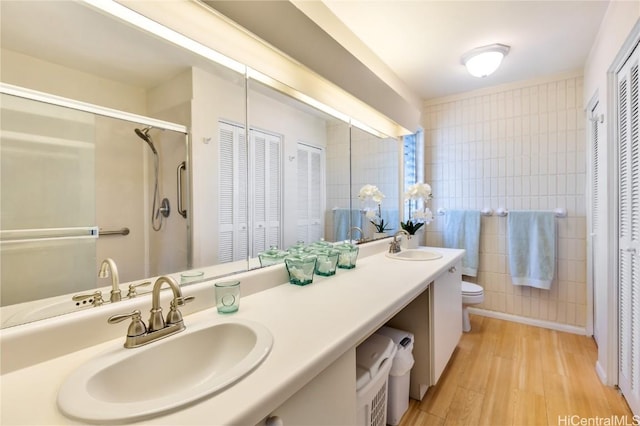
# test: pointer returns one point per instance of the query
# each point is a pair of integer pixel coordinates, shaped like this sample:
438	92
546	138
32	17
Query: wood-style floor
504	373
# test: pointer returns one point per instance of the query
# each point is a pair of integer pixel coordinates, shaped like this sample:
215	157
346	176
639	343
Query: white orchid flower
423	216
371	192
418	191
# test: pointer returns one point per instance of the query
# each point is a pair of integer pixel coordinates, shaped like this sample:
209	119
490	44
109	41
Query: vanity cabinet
329	399
435	319
445	309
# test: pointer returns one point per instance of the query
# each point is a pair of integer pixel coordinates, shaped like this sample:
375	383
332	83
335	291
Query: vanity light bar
275	84
368	129
141	21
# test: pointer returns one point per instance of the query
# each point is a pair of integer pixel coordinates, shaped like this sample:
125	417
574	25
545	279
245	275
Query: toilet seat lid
471	288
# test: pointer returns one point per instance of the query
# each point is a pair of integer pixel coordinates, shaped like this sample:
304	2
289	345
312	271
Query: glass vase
300	268
348	255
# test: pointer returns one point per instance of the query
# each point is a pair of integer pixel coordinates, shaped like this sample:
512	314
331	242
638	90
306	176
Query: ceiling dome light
483	61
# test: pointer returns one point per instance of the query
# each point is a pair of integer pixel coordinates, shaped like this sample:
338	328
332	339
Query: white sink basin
128	385
414	254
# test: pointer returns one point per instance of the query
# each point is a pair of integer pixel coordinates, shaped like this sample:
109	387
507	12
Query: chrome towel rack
502	212
559	212
487	211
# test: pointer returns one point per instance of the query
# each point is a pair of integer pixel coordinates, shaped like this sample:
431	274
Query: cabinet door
446	319
329	399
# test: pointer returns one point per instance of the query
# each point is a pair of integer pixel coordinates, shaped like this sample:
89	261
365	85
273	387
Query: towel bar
559	212
484	212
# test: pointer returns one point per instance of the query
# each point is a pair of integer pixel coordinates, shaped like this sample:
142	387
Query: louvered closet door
310	193
597	271
266	166
232	193
629	230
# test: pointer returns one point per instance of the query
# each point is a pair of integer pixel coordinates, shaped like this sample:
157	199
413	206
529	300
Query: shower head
144	135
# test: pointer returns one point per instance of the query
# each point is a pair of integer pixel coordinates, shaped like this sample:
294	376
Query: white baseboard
530	321
602	375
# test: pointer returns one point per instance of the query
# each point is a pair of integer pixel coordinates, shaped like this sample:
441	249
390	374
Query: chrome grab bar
122	231
182	166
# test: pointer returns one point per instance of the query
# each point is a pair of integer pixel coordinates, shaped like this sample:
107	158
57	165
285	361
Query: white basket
372	398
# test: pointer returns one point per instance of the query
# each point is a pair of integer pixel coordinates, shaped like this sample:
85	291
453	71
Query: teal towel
391	220
341	223
462	231
532	248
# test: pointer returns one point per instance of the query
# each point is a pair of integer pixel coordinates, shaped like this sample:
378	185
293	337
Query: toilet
472	294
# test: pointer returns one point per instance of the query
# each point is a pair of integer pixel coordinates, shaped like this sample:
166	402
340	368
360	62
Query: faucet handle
97	298
132	289
174	315
137	326
181	301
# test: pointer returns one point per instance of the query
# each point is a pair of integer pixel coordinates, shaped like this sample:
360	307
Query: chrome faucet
359	230
109	265
394	246
156	322
138	333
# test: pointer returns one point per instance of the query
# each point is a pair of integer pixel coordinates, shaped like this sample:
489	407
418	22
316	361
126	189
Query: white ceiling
422	40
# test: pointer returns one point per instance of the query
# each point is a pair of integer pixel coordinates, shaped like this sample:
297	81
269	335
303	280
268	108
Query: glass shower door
48	228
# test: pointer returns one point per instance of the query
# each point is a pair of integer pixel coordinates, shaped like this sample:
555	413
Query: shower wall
120	196
47	199
521	147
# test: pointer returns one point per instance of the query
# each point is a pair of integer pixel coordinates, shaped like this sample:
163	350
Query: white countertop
312	326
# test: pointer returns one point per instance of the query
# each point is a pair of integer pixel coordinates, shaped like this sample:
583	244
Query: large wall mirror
298	156
261	167
375	160
78	187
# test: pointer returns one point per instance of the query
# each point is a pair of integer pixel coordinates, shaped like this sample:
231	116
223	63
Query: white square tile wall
374	161
337	166
521	149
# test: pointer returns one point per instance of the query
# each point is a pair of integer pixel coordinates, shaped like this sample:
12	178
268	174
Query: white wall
519	146
207	108
616	27
36	74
